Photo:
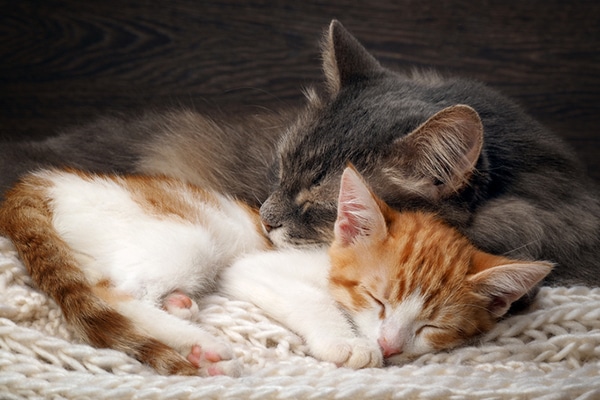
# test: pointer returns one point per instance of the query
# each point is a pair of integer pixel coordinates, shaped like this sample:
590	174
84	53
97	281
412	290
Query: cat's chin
282	240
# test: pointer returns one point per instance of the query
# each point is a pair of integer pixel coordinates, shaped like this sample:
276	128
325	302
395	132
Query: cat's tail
26	218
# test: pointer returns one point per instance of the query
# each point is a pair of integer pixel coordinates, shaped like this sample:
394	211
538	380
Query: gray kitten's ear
440	155
345	59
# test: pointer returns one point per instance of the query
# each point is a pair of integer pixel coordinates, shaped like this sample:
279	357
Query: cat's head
413	283
411	147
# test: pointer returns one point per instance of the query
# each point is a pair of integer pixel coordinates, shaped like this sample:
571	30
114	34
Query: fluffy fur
127	258
121	254
199	149
423	142
408	282
448	145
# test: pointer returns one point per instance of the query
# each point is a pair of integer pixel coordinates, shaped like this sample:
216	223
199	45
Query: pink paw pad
197	356
178	299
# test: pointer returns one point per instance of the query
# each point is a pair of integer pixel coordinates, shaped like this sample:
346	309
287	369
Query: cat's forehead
424	252
357	126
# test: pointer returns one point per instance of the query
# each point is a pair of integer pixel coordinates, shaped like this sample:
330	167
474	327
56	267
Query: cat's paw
350	352
214	359
180	305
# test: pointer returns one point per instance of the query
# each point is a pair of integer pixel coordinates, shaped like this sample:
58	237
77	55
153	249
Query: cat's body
128	257
114	251
424	142
511	186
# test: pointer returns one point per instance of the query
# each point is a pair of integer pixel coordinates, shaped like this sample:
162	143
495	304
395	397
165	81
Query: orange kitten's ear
507	283
359	214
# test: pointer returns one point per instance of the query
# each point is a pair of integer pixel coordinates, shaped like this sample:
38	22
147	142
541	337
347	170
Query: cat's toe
215	360
352	353
231	368
181	305
364	354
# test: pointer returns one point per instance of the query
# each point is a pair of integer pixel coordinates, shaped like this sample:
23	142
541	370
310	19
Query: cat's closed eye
380	304
427	328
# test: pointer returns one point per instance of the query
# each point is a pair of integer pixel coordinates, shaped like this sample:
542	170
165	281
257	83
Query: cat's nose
388	349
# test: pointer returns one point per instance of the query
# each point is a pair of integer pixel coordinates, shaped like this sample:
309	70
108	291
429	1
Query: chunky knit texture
552	352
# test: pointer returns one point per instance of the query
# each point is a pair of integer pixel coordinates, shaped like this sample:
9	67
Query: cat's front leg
291	287
335	341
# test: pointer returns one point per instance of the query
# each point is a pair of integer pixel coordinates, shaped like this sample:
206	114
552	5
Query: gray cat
422	141
449	145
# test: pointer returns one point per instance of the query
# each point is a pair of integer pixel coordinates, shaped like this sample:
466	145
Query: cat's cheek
368	324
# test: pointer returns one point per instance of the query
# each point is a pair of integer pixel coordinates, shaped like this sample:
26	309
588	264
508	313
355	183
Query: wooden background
63	62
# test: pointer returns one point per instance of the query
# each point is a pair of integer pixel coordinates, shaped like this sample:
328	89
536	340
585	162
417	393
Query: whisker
521	247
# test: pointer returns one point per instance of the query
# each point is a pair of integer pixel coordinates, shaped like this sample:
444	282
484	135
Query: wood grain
64	62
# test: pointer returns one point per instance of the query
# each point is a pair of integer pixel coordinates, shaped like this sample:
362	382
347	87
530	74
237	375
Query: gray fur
526	197
231	155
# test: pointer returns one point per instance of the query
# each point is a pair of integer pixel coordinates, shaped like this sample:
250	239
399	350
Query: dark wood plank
63	62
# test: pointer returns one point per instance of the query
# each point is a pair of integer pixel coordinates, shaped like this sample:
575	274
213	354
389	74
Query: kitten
424	142
121	254
408	282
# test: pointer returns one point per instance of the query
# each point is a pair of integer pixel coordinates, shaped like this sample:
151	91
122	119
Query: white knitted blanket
552	352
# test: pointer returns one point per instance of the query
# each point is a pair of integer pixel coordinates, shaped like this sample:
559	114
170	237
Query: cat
447	145
124	256
395	285
422	141
127	258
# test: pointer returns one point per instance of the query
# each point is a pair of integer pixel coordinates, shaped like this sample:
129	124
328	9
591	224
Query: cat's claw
351	353
180	305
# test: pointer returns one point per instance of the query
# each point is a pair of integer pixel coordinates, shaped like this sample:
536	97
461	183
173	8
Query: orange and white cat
392	284
128	257
122	254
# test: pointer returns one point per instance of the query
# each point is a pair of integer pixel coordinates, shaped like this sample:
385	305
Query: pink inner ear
499	305
359	214
346	232
349	224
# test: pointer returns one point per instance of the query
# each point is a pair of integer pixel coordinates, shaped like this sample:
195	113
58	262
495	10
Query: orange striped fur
414	257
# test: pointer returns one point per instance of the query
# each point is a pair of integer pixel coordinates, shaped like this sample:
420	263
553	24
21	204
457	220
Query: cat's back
138	223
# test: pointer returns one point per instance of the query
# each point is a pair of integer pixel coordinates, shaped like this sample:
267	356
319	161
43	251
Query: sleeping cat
423	142
120	254
409	283
127	258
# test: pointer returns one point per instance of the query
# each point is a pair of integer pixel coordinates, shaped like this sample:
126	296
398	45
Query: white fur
399	326
144	255
292	287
